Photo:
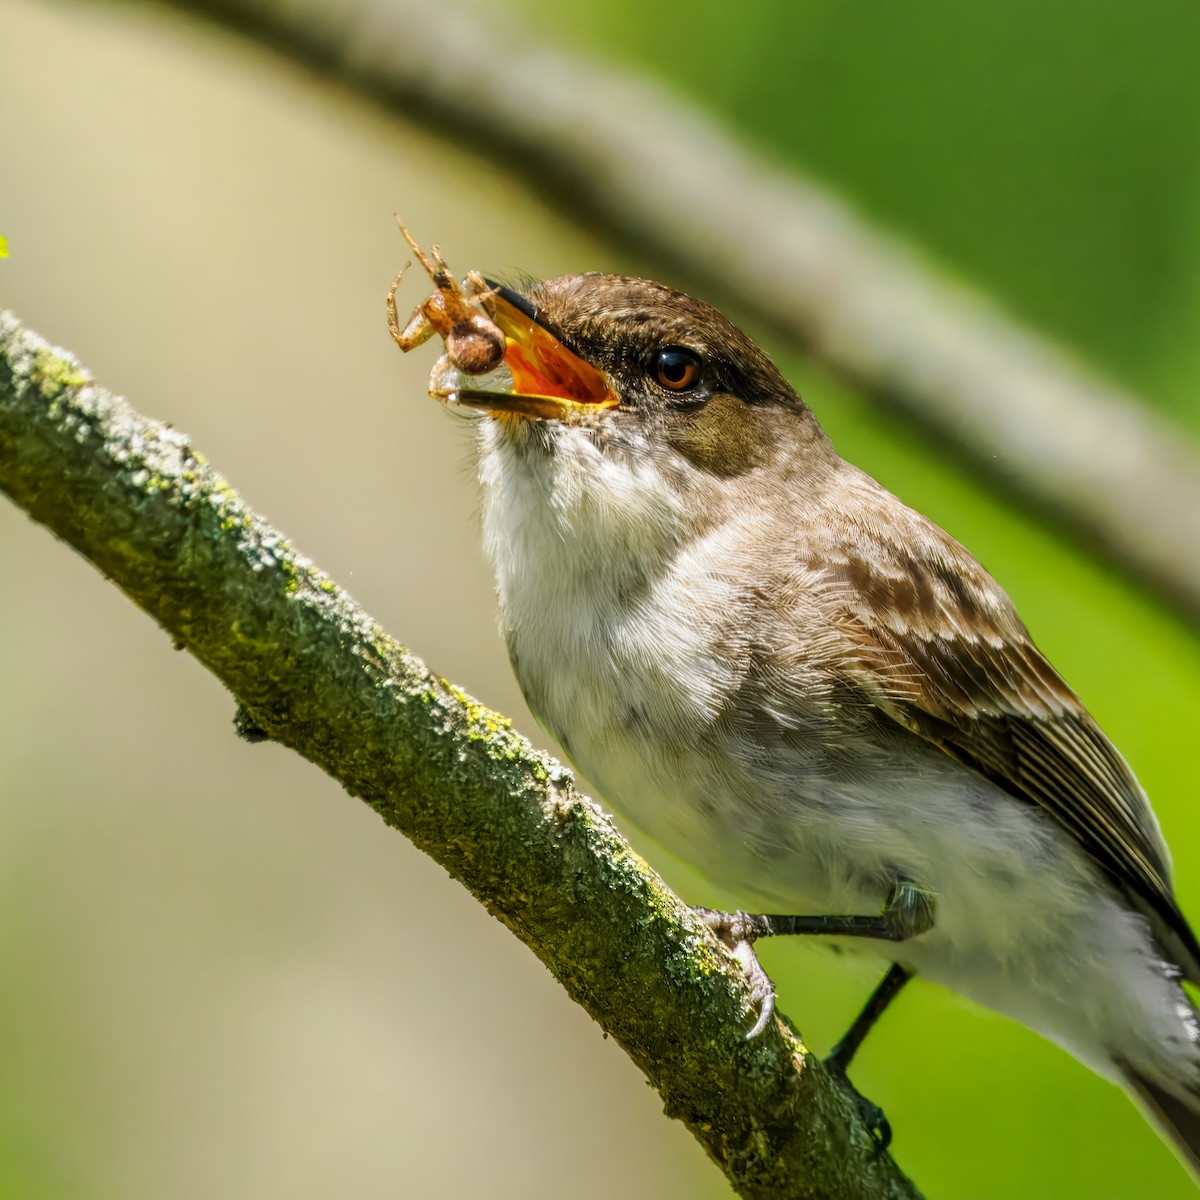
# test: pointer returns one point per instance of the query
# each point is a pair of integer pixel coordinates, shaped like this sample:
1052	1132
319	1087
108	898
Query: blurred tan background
223	977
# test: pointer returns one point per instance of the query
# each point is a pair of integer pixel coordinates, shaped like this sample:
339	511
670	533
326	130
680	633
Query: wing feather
944	653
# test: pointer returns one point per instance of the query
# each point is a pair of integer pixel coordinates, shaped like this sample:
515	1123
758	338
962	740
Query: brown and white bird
792	680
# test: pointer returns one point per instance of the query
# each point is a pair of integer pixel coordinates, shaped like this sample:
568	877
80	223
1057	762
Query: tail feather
1176	1117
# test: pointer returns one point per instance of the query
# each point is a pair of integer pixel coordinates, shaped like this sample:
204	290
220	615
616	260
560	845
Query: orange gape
542	366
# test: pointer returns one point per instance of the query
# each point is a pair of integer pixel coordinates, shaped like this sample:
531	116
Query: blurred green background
222	977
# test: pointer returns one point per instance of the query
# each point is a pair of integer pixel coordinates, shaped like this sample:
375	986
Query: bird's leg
839	1058
888	988
907	912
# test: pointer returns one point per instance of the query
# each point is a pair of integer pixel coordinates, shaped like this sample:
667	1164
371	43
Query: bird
783	674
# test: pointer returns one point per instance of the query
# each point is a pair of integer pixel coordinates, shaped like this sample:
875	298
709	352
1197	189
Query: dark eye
677	368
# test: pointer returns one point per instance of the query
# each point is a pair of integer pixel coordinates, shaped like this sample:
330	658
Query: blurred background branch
627	154
312	671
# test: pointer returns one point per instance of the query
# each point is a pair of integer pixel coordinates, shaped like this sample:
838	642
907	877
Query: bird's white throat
589	543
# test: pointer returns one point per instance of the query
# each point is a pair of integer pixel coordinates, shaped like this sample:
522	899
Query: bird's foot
737	932
869	1112
908	912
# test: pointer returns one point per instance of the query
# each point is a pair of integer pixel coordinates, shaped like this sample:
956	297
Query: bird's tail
1175	1115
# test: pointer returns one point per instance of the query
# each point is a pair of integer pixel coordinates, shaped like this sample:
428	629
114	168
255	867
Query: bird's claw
762	990
871	1115
737	932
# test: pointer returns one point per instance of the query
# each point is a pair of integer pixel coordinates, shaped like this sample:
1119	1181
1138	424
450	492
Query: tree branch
314	672
656	172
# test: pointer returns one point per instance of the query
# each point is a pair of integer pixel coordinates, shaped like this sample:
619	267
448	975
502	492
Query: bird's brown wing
943	652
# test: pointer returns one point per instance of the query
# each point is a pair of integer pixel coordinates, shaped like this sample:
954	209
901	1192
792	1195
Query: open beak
539	376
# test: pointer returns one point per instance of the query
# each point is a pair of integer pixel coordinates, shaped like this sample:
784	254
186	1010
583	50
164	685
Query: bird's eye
677	368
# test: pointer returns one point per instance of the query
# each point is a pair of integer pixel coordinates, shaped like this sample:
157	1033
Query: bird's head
632	367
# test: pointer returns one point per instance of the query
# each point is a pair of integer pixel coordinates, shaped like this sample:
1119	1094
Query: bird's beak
539	376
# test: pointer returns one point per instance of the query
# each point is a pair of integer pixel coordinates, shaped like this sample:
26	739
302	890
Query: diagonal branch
314	672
